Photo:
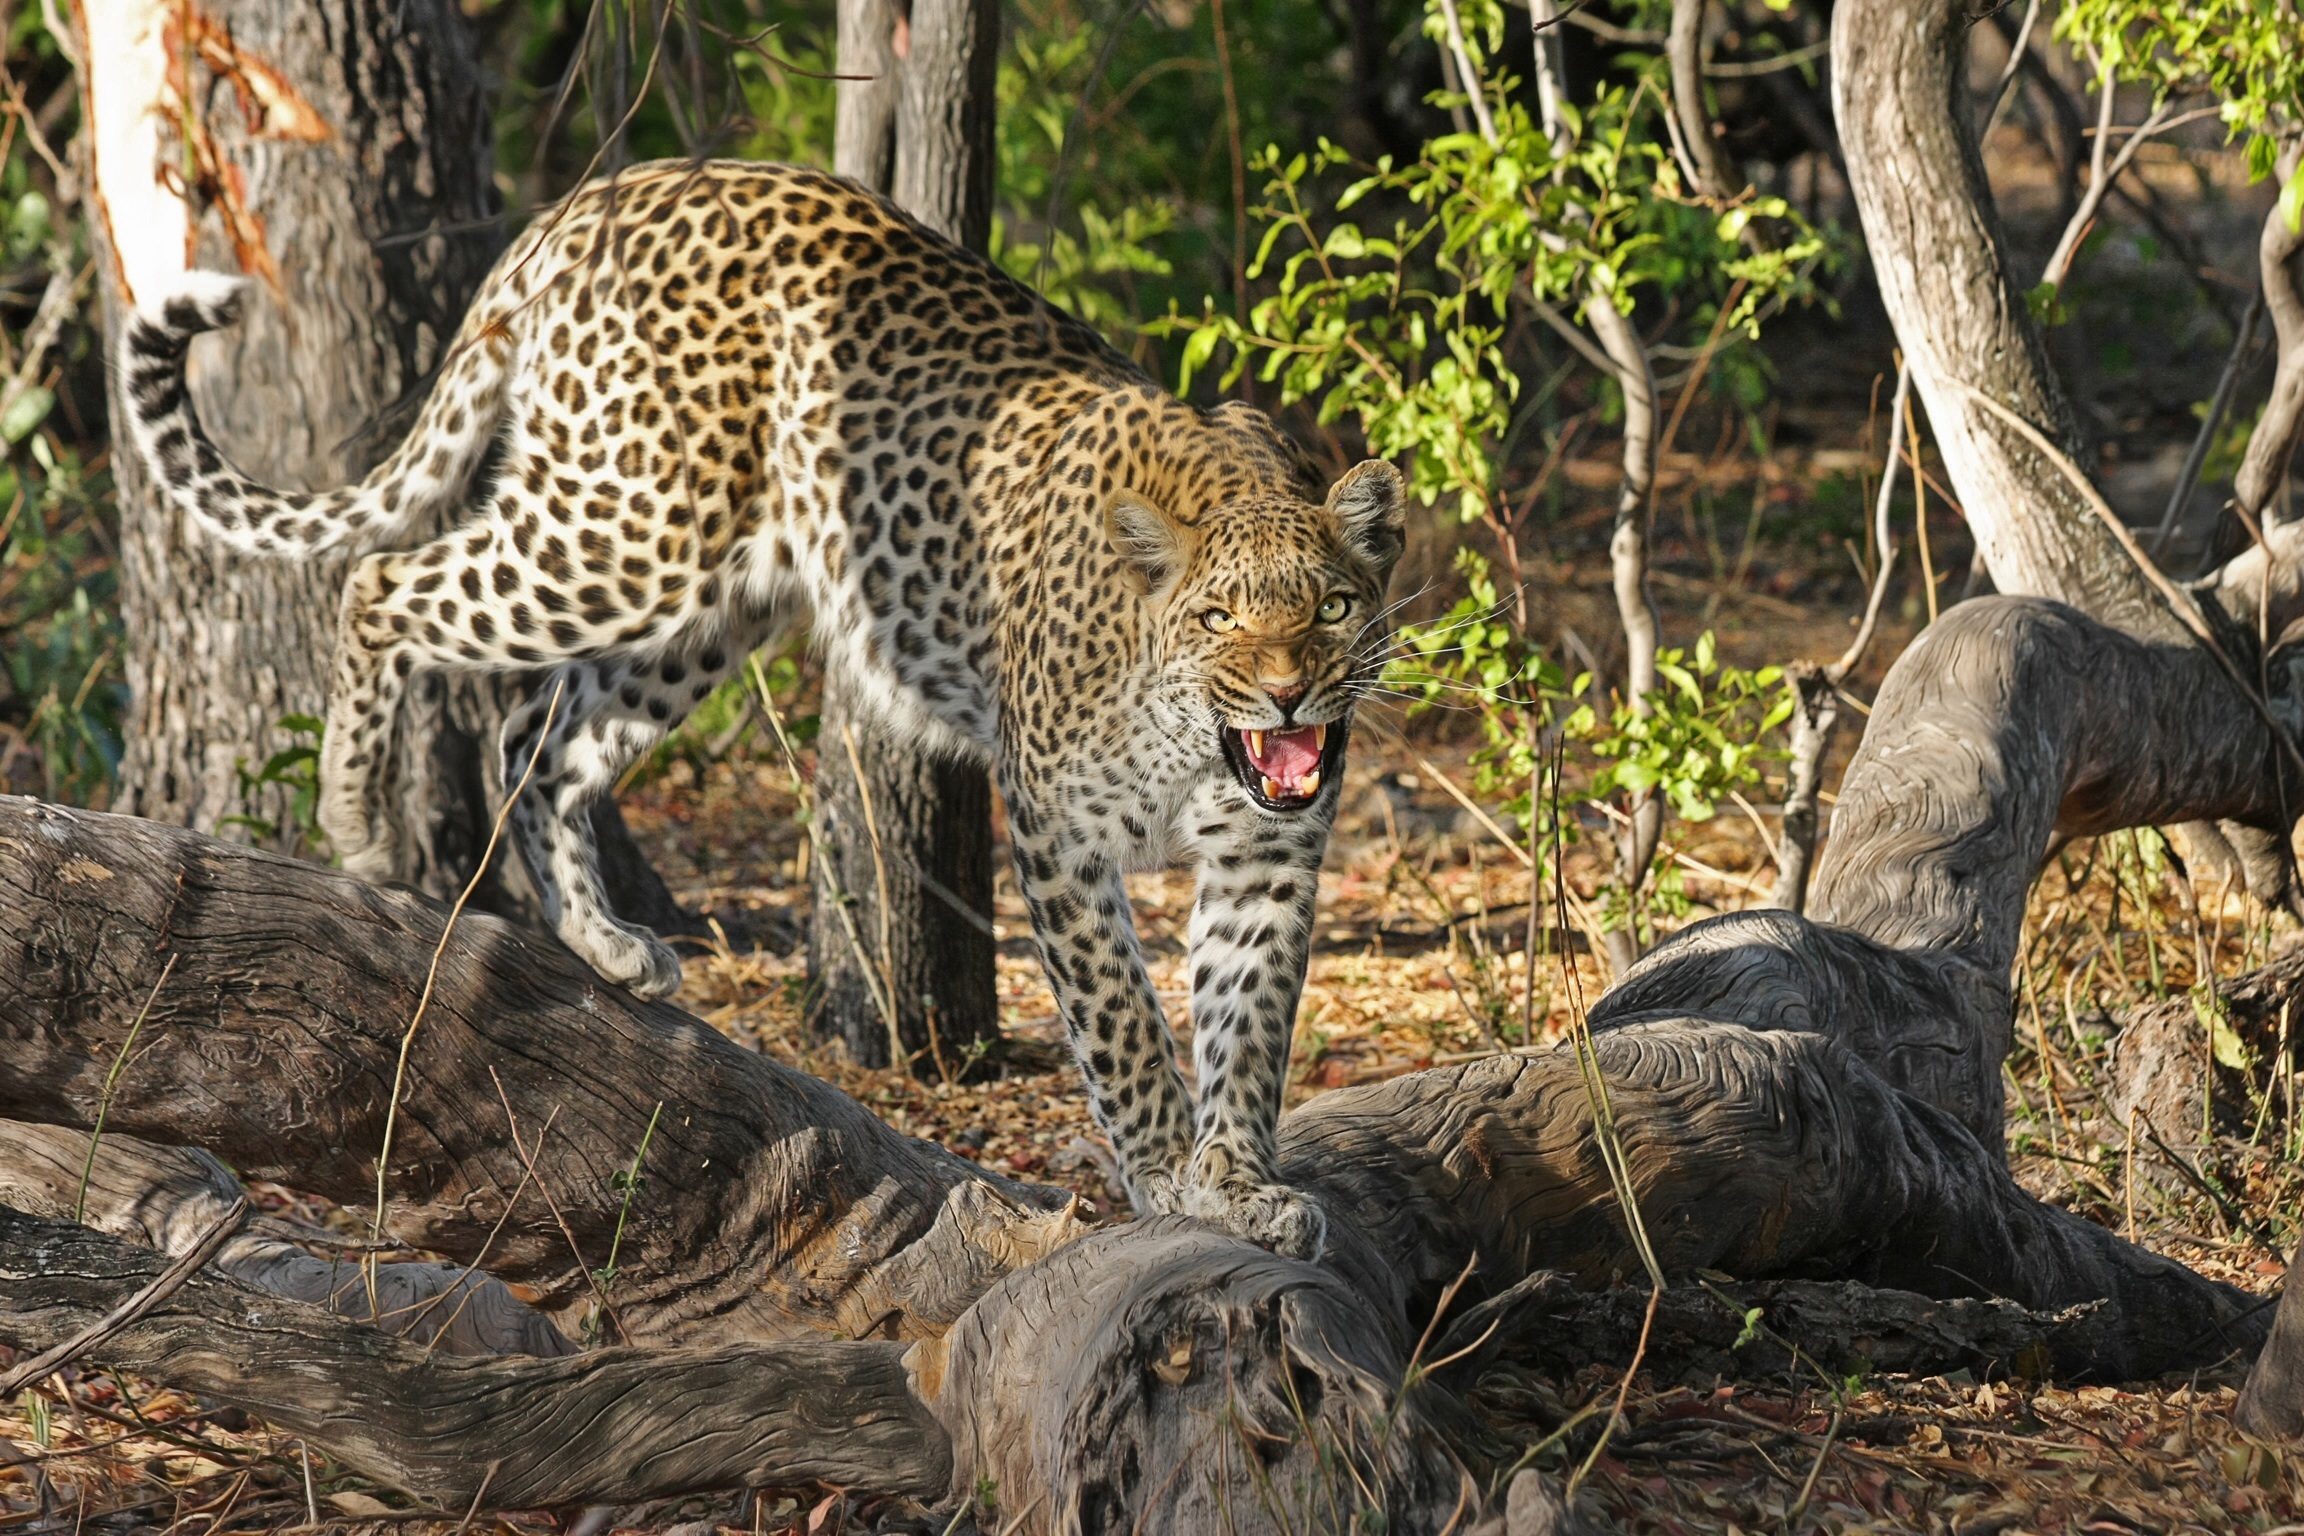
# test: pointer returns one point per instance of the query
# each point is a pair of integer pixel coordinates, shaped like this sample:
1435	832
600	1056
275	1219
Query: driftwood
1800	1101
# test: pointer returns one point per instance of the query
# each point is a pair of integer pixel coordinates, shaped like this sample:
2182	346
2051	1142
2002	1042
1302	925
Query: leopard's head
1271	620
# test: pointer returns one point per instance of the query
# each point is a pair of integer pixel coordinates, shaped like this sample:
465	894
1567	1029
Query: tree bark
903	873
344	157
582	1429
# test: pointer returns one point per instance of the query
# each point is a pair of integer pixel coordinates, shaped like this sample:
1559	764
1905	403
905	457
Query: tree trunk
1939	254
903	873
343	157
2263	473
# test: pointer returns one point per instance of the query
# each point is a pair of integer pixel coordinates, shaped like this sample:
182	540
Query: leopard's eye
1334	608
1219	621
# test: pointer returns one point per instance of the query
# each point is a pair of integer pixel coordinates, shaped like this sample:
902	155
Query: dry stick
2178	603
528	1159
478	1258
1817	713
2004	88
840	902
1882	532
1587	922
432	973
1919	503
1623	1391
112	1081
164	1285
1695	377
1808	1488
2226	387
880	876
1239	164
2101	176
2128	1176
478	1494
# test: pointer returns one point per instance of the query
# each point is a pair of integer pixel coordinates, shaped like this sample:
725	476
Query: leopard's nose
1285	694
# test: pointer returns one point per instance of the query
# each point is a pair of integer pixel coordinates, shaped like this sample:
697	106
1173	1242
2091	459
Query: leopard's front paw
1287	1221
631	957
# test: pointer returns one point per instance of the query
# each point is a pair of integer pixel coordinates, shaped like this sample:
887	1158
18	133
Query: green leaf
2292	201
2263	156
25	413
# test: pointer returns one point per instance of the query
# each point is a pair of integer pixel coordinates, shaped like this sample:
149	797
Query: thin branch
2189	476
2101	176
1467	75
1747	69
447	932
1850	658
2187	613
1573	334
164	1285
1638	37
2004	89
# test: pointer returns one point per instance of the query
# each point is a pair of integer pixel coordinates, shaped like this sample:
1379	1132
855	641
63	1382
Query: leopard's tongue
1288	760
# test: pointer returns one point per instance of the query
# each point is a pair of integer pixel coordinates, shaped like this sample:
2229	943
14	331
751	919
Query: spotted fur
736	396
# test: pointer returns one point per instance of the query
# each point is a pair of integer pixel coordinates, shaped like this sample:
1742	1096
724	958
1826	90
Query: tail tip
195	301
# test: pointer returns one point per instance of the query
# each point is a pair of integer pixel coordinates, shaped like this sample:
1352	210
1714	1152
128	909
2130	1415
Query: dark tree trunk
903	872
345	160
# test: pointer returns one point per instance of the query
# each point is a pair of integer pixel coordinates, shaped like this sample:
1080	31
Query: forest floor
1422	958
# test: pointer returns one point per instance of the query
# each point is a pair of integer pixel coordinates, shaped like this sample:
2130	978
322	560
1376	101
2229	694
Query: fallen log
579	1429
1799	1101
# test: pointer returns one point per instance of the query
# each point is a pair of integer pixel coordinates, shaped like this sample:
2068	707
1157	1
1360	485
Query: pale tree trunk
903	874
343	157
2272	446
1939	255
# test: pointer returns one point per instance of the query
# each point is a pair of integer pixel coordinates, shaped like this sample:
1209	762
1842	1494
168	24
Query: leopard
696	406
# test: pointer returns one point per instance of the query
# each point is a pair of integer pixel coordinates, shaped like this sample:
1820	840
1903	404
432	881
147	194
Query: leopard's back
741	383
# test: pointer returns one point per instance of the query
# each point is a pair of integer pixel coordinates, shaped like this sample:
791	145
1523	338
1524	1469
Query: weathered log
774	1204
620	1424
165	1197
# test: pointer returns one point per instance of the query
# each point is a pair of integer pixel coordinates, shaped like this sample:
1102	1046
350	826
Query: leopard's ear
1153	547
1370	505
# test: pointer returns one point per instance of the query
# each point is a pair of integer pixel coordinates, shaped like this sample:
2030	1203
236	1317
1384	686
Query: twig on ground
111	1082
163	1286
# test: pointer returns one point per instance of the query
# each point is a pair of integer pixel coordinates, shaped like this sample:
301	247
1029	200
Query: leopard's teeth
1256	746
1271	787
1311	785
1319	743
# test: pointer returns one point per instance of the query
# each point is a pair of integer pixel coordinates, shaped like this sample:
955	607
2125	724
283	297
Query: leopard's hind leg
607	713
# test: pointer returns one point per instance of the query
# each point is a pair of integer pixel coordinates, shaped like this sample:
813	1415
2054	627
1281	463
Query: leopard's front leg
1087	940
1250	943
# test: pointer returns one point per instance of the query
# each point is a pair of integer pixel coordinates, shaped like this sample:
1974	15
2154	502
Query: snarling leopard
695	404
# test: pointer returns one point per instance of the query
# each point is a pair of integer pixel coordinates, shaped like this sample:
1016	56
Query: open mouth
1284	770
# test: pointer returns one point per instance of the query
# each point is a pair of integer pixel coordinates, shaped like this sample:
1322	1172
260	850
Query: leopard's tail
425	476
